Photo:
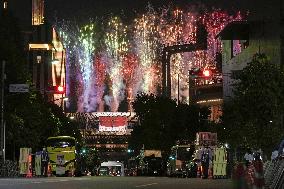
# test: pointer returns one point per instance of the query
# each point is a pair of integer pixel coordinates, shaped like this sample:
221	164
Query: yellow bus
62	154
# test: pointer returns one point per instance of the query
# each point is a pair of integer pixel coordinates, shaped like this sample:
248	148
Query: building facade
45	54
262	32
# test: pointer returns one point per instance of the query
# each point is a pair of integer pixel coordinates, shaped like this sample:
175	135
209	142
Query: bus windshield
184	153
154	162
60	142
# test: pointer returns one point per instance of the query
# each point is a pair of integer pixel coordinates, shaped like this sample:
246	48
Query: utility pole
178	90
2	111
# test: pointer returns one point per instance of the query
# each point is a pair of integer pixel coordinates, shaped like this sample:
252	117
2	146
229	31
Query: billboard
113	123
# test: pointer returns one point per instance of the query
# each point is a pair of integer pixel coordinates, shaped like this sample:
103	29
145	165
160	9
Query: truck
178	164
149	163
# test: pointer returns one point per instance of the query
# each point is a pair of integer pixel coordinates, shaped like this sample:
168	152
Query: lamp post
2	111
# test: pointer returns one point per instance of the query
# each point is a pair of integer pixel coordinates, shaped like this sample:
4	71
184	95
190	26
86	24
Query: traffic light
207	73
130	151
83	151
194	72
59	89
199	73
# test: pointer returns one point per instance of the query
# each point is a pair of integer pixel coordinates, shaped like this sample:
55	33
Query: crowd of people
253	167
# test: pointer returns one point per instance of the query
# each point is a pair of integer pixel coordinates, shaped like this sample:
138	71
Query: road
113	183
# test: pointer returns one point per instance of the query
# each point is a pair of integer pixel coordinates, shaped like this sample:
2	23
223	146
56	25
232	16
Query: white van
114	168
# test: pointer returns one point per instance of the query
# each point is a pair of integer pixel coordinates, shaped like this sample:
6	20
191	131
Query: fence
9	169
274	174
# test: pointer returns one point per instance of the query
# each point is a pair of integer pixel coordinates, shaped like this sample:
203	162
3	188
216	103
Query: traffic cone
198	172
29	174
210	173
30	169
49	170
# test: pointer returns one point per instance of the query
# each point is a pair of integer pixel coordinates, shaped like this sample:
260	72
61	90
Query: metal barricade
274	174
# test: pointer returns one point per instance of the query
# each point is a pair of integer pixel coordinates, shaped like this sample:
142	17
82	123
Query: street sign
18	88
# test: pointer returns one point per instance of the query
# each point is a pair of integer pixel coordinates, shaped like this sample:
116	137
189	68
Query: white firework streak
146	49
115	47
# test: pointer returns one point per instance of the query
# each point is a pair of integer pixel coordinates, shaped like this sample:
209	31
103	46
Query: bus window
60	142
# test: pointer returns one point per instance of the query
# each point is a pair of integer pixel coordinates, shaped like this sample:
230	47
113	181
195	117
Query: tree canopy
254	116
162	122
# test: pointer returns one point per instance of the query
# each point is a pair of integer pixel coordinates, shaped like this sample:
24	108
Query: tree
30	120
255	114
162	122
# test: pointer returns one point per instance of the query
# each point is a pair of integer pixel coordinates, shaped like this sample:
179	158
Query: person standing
205	161
274	154
44	161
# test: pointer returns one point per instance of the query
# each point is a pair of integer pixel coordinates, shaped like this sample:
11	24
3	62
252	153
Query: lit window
38	59
238	46
5	4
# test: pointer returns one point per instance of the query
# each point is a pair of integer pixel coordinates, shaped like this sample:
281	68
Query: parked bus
62	154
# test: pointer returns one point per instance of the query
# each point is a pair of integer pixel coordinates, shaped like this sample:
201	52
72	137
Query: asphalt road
114	183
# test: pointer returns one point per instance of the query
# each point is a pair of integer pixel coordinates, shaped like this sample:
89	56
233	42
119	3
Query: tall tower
37	12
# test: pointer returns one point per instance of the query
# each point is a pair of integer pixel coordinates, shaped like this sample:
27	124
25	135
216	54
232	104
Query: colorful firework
127	60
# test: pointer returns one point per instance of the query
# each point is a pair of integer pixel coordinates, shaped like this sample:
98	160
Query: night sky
82	10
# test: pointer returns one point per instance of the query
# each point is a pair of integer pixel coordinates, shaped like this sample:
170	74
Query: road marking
144	185
51	181
63	180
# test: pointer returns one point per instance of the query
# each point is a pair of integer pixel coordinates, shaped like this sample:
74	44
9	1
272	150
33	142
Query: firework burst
128	58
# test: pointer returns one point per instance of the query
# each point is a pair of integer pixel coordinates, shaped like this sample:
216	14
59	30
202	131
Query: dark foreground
114	183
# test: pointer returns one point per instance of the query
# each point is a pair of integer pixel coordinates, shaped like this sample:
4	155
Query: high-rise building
44	51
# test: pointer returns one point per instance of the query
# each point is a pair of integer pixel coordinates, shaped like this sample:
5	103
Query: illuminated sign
99	114
40	47
113	123
18	88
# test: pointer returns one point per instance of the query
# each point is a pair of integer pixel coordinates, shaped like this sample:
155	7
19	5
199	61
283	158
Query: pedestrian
44	161
258	175
248	157
274	154
205	161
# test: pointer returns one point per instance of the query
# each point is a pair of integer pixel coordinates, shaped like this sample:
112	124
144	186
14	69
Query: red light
207	73
59	89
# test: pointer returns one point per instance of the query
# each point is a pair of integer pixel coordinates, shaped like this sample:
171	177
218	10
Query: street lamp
2	128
